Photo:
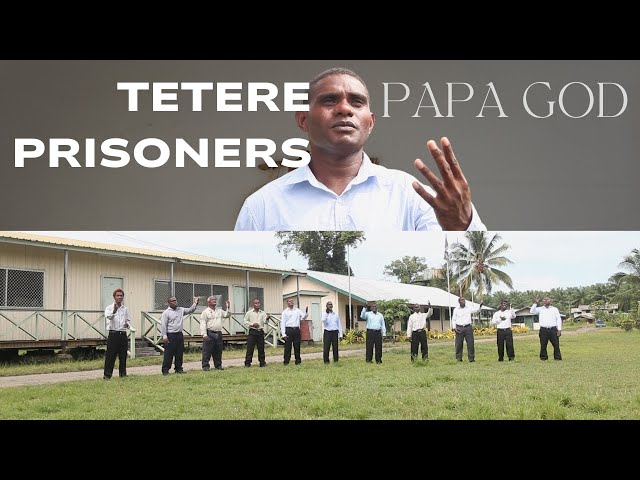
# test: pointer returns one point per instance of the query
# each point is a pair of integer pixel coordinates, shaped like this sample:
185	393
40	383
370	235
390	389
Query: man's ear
373	121
301	120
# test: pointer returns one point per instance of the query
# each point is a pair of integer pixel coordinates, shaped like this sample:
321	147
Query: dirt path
47	378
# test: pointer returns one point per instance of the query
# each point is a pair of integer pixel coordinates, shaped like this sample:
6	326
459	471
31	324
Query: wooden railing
151	327
20	325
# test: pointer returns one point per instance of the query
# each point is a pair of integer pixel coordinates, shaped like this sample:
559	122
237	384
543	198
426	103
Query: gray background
525	173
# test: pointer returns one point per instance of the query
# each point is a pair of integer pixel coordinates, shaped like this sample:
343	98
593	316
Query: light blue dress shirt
378	198
331	321
375	321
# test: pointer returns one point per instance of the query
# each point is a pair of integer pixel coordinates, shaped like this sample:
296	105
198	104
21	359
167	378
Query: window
185	291
161	293
21	288
256	292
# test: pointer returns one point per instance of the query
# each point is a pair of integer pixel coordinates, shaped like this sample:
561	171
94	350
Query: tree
476	263
324	251
407	270
631	269
393	310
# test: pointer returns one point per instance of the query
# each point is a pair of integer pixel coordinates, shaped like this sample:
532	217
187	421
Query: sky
542	260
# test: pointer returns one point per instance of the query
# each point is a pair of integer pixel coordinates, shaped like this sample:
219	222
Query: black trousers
212	346
175	348
505	336
293	338
466	333
330	339
255	337
116	347
374	338
419	338
549	335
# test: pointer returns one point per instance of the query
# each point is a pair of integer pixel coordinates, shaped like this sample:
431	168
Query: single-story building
55	290
525	317
351	294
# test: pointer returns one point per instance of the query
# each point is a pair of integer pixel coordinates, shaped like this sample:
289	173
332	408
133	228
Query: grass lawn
598	379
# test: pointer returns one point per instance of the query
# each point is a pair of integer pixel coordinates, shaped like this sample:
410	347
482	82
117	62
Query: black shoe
286	363
180	371
543	358
248	366
471	361
165	373
206	369
557	359
459	359
369	361
502	359
327	363
106	378
512	359
379	362
219	368
263	365
298	363
121	376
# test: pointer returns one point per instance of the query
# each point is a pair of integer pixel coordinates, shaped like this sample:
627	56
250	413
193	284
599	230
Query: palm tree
631	269
476	264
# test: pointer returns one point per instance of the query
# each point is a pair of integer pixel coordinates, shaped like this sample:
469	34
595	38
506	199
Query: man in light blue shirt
341	189
376	329
331	334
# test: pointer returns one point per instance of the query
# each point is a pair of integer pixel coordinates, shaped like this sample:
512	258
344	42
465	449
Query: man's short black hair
336	71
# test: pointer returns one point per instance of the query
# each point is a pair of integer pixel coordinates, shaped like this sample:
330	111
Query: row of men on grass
118	321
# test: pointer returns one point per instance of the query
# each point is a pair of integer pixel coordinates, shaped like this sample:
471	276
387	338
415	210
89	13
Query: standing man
502	320
341	189
332	332
254	320
462	323
117	316
171	331
376	329
416	331
211	331
290	328
550	327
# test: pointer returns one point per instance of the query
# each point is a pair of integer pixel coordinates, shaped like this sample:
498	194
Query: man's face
256	304
119	296
290	303
462	302
339	119
546	301
374	308
173	303
416	308
213	303
503	306
329	307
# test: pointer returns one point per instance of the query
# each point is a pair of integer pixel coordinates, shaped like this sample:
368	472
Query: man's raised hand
452	205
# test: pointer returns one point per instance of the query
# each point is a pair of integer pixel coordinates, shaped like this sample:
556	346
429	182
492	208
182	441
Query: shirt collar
305	174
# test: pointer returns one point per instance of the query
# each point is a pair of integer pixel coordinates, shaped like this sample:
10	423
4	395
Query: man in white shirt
211	331
171	326
118	320
502	320
341	189
290	329
462	323
332	333
550	327
416	326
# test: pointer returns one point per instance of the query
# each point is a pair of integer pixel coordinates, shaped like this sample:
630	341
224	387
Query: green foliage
393	310
353	336
406	270
476	264
324	251
627	324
